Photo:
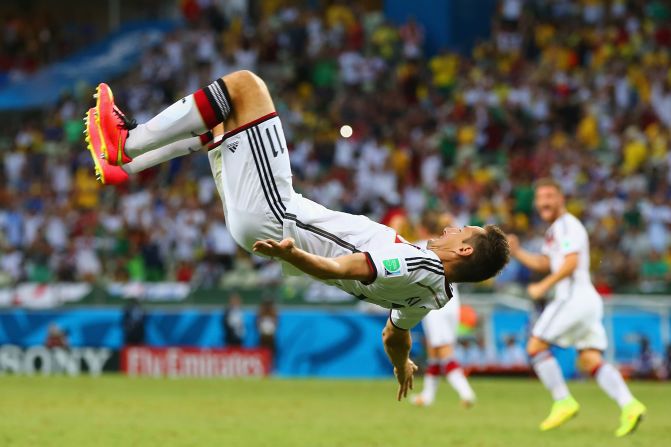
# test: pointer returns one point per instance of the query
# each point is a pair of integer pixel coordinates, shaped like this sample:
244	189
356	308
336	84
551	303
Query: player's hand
536	290
513	243
274	249
405	378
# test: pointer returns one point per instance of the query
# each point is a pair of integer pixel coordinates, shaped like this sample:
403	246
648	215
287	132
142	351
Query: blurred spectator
647	364
573	89
56	337
473	354
233	322
513	354
266	324
133	323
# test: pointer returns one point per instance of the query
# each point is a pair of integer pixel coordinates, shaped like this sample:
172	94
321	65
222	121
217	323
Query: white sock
163	154
431	381
610	380
180	120
548	371
458	380
188	117
430	387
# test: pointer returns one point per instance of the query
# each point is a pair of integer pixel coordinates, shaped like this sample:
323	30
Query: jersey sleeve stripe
420	260
424	263
429	264
424	267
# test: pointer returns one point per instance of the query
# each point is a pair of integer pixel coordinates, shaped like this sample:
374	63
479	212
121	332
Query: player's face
454	238
549	202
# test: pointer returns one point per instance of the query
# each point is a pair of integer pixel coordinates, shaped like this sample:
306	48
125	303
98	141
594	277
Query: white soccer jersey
407	277
567	235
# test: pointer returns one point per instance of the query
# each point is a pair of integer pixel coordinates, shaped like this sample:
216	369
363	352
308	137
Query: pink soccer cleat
105	173
113	126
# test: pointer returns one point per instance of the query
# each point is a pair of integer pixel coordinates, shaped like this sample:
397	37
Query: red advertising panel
195	362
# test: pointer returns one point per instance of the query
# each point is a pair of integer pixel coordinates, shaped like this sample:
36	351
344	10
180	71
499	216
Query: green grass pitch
120	411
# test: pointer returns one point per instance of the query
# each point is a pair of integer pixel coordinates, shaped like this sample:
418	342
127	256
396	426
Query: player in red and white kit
250	165
440	330
573	318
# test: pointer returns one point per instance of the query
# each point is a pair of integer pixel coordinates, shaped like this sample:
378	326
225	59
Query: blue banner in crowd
340	343
102	61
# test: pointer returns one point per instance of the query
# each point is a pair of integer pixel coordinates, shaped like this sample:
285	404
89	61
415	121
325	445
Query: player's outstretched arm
354	266
397	343
534	261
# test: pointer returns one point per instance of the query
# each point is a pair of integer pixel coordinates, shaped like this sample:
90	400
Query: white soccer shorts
440	326
575	321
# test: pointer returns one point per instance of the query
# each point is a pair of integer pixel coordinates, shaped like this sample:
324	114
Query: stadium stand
575	90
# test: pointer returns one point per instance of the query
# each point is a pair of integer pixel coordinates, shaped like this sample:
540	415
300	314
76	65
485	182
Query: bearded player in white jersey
573	317
250	164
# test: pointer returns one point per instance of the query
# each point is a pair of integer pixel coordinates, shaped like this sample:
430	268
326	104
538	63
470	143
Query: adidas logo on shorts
233	145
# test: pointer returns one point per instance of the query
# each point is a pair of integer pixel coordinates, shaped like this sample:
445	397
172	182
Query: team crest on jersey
392	267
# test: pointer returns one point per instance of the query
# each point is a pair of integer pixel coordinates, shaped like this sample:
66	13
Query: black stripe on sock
227	96
263	185
213	103
262	148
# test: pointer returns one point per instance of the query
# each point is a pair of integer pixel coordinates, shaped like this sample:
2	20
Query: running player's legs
440	329
251	167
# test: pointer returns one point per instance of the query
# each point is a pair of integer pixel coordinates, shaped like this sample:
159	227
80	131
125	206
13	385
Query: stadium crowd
579	90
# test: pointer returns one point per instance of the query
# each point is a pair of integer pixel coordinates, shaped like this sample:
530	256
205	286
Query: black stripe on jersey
428	268
433	292
415	264
436	265
423	259
262	178
323	233
448	289
262	148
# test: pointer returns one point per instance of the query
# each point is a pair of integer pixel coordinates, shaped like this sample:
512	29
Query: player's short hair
548	181
490	254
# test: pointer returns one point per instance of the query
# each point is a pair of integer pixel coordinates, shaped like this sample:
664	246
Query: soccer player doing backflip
235	119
